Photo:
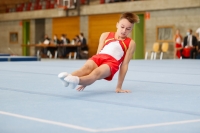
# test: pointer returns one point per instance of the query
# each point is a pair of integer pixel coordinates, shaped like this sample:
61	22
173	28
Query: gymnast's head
125	24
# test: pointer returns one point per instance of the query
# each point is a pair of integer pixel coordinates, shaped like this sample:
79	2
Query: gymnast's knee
86	69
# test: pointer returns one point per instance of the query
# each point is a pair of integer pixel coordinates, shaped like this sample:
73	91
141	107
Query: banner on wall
20	23
147	15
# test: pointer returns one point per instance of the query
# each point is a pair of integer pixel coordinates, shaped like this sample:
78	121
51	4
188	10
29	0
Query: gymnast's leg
100	72
87	68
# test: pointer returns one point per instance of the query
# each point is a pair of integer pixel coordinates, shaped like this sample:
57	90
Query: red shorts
101	59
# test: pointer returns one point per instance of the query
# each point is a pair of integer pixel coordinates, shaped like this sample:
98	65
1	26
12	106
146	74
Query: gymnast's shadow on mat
94	93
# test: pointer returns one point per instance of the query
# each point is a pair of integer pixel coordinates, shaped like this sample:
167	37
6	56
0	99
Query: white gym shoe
63	75
72	80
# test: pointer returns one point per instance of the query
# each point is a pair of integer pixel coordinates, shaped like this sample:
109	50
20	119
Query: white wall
6	27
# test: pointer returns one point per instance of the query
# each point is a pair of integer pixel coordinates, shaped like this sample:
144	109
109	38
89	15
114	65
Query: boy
114	52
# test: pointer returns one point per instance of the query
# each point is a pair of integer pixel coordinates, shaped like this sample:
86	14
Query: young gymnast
114	52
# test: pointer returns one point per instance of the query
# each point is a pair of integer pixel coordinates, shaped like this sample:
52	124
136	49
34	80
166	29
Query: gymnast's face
124	27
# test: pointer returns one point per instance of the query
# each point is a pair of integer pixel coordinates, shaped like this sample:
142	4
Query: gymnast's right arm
101	41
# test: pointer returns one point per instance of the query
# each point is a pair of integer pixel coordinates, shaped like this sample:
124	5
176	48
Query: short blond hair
131	17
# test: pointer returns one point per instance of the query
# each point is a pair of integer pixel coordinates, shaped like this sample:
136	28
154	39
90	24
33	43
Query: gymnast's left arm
124	68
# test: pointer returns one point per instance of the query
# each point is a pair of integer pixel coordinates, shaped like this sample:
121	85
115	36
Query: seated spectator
67	39
83	40
64	40
46	41
56	41
62	50
50	51
83	52
73	41
76	41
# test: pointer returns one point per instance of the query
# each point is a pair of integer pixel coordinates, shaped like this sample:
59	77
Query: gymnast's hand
81	88
119	90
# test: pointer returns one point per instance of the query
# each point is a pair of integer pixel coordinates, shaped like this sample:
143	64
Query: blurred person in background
83	50
198	38
190	43
178	39
56	41
83	42
46	50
